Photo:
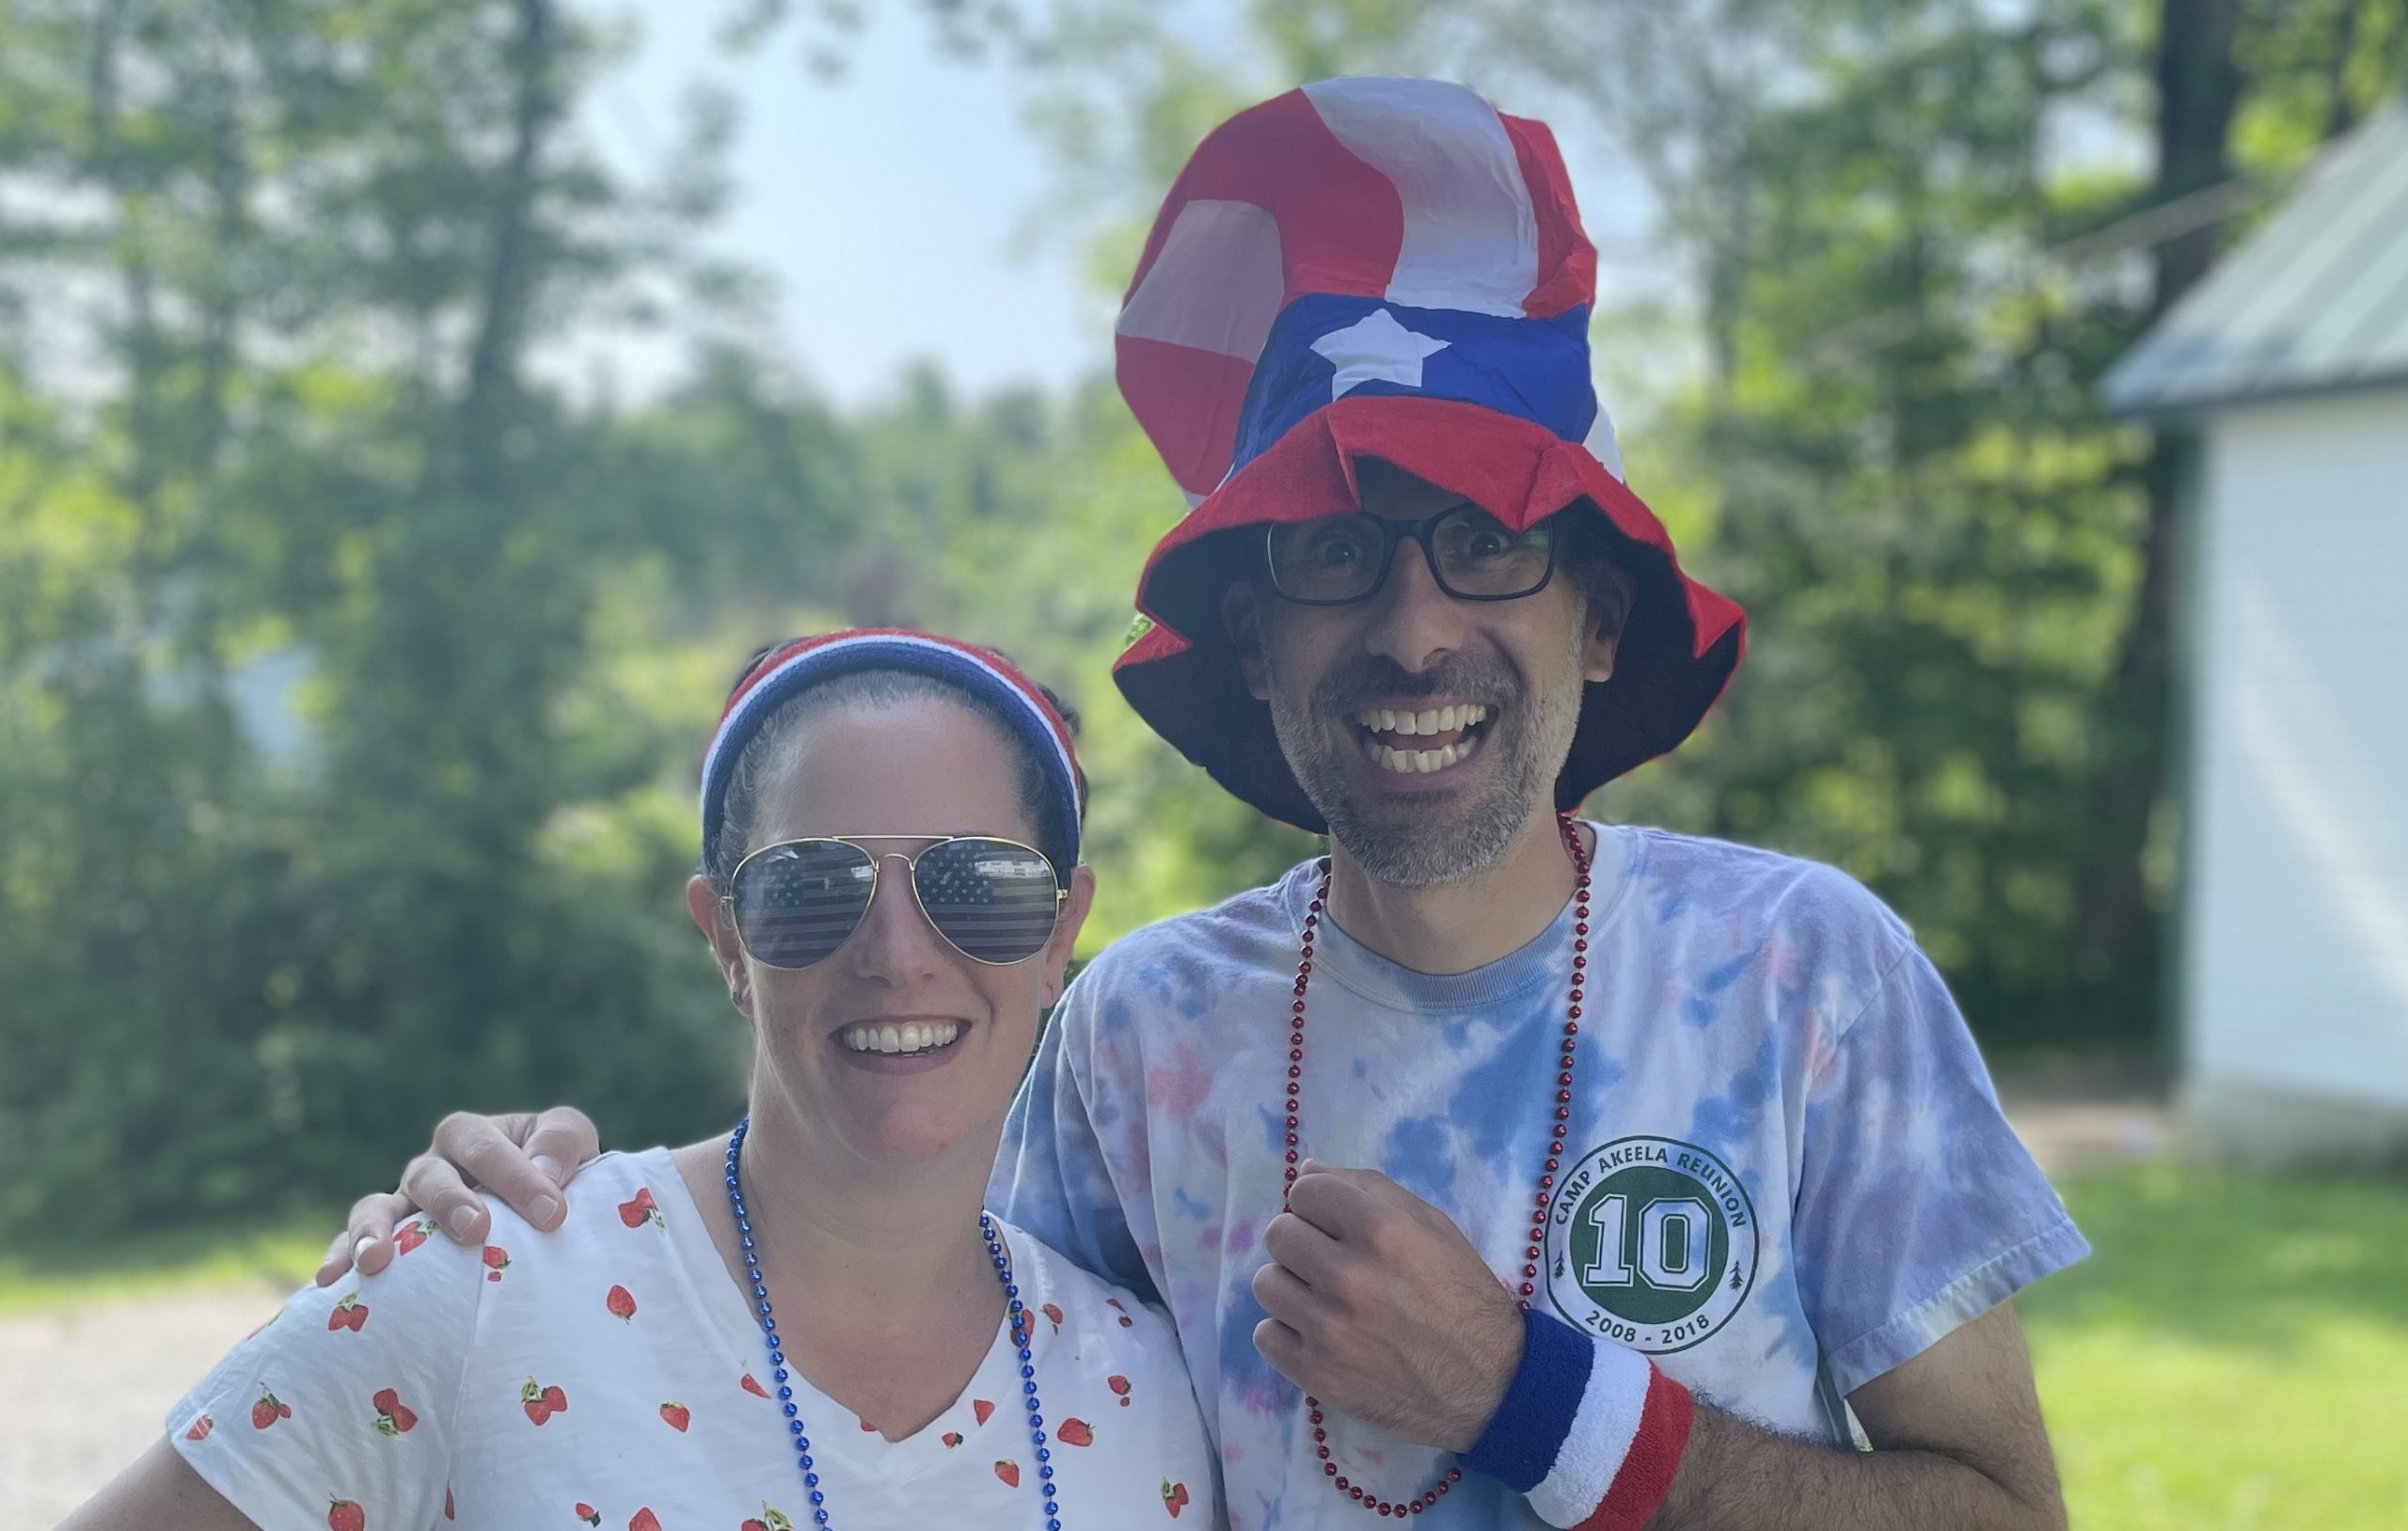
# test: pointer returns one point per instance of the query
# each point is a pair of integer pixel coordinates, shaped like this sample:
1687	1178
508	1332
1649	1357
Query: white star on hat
1376	349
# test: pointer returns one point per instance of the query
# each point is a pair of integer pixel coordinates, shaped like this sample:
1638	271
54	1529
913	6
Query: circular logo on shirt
1652	1243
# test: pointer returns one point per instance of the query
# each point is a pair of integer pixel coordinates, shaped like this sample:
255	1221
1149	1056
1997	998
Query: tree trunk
2199	87
493	358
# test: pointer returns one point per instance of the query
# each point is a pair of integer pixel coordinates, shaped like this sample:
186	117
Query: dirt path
88	1387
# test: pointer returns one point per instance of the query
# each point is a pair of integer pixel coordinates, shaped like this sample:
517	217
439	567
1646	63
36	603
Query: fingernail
367	1242
551	1166
540	1211
460	1220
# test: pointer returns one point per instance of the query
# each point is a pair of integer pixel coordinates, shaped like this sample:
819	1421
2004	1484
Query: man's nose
1413	621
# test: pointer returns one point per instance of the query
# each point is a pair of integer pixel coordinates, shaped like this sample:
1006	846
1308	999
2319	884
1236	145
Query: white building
2289	362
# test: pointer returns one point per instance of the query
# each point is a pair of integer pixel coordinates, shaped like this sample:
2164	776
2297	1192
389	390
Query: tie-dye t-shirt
1787	1172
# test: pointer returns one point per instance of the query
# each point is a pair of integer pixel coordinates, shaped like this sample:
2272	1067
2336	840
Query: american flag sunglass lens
795	904
994	900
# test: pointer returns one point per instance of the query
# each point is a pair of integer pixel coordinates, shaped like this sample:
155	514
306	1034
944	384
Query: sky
896	207
889	205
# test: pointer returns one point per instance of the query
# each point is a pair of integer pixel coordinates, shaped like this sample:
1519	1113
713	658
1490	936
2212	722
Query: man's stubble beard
1412	846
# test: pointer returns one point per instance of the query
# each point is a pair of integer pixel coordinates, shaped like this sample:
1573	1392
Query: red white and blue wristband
1590	1432
812	661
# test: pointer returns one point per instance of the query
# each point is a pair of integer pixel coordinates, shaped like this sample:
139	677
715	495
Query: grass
2234	1357
282	1253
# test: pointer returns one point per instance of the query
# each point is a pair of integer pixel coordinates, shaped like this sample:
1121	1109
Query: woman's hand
523	1158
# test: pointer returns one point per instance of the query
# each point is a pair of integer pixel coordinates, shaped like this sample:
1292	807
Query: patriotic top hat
1387	269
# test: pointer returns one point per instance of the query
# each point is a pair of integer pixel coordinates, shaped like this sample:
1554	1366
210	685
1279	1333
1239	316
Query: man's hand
524	1159
1383	1310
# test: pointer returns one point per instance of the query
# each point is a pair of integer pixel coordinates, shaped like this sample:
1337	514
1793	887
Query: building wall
2295	938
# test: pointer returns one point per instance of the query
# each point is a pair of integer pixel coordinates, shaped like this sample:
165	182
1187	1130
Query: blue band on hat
1536	369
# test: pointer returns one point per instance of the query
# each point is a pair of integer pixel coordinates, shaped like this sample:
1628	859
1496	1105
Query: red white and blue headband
809	662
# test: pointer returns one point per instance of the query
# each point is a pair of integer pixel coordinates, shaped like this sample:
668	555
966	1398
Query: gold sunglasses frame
876	869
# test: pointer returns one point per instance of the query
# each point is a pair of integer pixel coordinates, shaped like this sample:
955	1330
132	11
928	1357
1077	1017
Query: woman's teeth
1458	721
912	1036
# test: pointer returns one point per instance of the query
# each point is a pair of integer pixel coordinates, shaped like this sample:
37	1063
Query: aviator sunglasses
994	901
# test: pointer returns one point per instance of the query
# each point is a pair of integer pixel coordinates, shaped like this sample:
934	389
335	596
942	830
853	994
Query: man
1501	1170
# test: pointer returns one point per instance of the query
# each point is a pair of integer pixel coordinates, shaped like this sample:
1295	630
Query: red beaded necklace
1547	1178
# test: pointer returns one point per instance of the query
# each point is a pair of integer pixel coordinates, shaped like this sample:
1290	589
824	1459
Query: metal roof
2314	302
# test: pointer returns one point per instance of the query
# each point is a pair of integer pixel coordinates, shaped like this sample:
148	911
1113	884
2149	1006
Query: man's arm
525	1159
1381	1308
1958	1443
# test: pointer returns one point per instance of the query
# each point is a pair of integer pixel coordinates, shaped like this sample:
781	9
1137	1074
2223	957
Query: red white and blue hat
1388	269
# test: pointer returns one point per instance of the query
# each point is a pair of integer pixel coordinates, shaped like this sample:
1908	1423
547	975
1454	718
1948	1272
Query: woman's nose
894	941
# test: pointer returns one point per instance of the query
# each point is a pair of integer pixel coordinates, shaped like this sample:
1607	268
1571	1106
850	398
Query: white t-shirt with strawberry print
611	1375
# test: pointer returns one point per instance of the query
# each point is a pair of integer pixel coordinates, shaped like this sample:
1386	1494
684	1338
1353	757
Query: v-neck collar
837	1434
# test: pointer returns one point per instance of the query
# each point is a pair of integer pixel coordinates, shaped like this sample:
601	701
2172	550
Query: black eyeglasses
1340	559
795	902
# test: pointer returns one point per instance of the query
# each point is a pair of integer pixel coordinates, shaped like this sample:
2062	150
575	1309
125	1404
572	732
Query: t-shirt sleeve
1918	1208
1055	1175
342	1411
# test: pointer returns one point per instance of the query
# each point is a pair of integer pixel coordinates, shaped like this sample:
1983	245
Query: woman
809	1321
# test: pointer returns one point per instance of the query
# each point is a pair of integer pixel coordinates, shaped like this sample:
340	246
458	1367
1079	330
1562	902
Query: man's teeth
1430	720
912	1036
1407	762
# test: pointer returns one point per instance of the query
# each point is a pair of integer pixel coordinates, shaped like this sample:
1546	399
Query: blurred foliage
354	661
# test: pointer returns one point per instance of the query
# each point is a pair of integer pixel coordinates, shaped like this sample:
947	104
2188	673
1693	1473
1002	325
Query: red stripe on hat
1191	402
1341	222
1567	262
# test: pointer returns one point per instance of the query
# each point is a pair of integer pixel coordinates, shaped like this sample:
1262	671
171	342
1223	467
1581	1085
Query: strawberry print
588	1513
1055	1315
496	1261
1119	1385
200	1429
350	1314
1008	1470
678	1416
1126	1322
448	1512
391	1418
541	1402
643	1520
640	1209
771	1520
1075	1432
269	1409
343	1515
1174	1498
753	1387
410	1235
982	1408
951	1439
621	1304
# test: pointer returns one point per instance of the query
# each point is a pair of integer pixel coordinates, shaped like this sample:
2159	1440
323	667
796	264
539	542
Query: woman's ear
1242	619
702	902
1066	931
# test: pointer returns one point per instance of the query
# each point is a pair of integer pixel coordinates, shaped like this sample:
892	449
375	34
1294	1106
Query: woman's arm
160	1489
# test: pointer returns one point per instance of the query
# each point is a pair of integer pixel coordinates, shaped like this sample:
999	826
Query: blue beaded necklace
778	1357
